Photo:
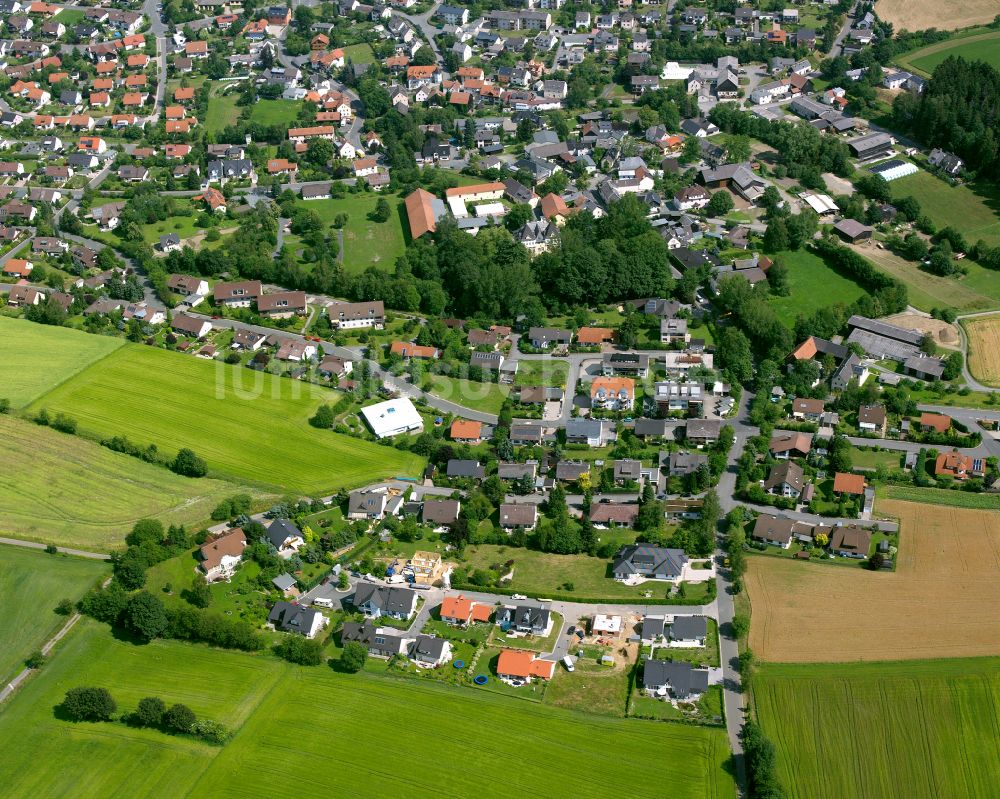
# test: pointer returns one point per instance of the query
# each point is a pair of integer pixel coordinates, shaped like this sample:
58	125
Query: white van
568	663
321	602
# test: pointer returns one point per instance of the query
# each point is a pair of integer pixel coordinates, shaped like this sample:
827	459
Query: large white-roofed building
392	417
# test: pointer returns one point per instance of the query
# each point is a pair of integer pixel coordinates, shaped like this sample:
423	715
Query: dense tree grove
958	111
805	151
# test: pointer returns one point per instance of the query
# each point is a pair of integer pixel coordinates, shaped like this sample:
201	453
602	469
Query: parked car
518	596
568	663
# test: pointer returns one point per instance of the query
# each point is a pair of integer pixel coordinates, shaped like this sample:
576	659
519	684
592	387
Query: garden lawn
366	243
46	756
32	583
917	730
543	574
545	372
275	112
868	459
247	425
471	725
35	358
813	285
359	53
971	209
74	493
485	397
183	226
222	111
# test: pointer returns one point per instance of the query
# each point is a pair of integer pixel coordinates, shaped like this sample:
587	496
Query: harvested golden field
984	349
944	15
945	335
942	601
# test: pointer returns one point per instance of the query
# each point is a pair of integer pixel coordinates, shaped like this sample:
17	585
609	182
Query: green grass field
275	112
546	372
366	243
485	397
289	721
183	226
813	285
868	459
359	53
940	496
35	358
970	209
222	111
32	583
976	291
903	730
247	425
75	493
979	47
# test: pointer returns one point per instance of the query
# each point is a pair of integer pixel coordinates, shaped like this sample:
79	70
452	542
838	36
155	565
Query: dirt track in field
942	601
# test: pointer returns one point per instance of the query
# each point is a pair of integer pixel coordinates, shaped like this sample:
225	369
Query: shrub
301	650
149	712
35	660
188	464
64	423
179	718
89	704
354	657
211	731
65	607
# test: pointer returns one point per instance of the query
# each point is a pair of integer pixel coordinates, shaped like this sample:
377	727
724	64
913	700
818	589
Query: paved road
80	553
838	43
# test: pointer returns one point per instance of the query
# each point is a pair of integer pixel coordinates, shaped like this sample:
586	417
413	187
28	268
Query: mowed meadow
942	601
72	492
249	426
35	358
896	730
32	584
317	733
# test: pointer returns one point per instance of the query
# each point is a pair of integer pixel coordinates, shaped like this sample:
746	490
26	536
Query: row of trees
88	703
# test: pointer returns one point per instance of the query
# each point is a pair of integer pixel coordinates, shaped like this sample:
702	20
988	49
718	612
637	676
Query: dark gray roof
466	468
571	470
682	678
429	647
284	581
686	462
280	530
584	428
524	616
649	559
291	618
515	471
389	599
442	511
688	627
652	627
650	427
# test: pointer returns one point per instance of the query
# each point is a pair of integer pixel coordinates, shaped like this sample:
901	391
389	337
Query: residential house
647	561
285	537
290	618
518	516
788	444
872	419
519	667
807	410
958	466
376	601
679	680
381	642
785	480
221	556
460	611
850	541
612	393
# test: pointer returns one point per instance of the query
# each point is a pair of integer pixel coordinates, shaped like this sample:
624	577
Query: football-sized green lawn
248	425
899	730
812	285
35	358
359	53
66	490
222	111
366	243
485	397
969	209
319	733
32	583
980	46
276	112
542	372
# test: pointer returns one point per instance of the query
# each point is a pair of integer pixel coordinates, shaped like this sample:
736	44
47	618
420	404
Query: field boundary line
79	372
905	60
